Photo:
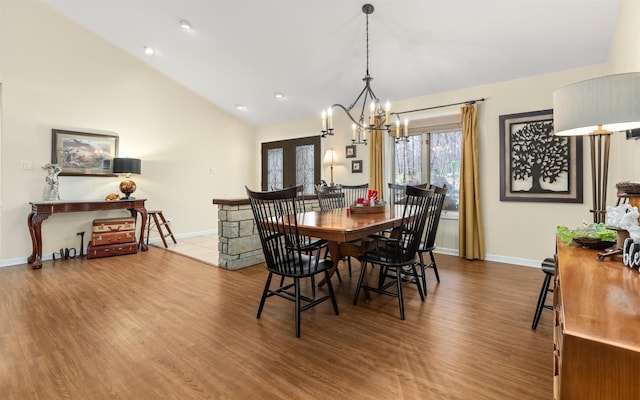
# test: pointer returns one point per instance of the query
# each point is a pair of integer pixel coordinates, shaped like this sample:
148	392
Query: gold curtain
471	244
375	160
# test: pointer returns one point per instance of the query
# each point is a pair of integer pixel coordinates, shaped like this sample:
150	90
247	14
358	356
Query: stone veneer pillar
238	241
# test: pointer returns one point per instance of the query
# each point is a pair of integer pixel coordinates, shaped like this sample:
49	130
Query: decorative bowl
593	243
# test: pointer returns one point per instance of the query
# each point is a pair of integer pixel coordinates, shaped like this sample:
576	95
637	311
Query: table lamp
127	166
330	158
597	108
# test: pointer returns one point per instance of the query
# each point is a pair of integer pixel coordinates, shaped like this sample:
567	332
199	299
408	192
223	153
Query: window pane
444	166
304	167
408	166
274	168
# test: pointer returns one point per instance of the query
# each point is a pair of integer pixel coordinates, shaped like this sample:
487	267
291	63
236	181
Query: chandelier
379	116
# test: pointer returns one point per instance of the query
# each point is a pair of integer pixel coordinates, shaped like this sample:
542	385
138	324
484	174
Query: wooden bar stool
159	224
549	269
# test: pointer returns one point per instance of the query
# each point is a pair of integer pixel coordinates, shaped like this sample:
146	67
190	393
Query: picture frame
82	153
356	166
350	151
536	165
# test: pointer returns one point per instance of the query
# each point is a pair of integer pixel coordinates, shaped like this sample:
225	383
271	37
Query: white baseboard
452	252
497	258
8	262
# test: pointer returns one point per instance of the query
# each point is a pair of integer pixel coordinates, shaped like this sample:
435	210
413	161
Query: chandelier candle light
402	132
379	116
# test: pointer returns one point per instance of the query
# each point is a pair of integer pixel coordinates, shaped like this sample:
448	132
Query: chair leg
423	275
264	294
349	264
313	286
296	282
417	279
435	267
359	285
382	276
541	300
400	299
331	293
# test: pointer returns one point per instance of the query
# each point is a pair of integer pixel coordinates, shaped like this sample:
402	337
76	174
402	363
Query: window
432	154
287	163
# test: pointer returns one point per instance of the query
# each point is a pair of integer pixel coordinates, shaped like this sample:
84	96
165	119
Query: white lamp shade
330	157
612	102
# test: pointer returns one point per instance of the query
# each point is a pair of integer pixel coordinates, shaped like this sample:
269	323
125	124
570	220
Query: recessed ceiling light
149	50
239	107
278	95
184	24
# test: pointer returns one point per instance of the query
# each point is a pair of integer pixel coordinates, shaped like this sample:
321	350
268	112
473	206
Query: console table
597	327
42	210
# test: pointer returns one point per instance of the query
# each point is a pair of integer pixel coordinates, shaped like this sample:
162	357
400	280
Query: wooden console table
42	210
597	327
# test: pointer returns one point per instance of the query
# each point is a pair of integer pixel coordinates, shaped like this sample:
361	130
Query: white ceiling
313	51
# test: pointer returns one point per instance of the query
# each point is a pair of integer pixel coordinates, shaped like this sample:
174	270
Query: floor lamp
597	108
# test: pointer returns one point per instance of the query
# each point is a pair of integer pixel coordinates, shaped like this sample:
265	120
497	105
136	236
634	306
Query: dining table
347	231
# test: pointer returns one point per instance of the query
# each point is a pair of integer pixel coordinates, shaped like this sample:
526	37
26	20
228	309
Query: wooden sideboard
597	327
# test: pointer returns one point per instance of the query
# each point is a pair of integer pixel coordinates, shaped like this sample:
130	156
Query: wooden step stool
162	222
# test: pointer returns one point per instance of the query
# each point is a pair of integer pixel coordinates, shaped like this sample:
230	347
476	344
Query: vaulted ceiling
241	52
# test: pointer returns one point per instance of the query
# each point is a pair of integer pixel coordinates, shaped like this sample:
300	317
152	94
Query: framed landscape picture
536	165
80	153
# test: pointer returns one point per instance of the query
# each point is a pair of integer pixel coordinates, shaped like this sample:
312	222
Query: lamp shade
127	166
609	103
330	157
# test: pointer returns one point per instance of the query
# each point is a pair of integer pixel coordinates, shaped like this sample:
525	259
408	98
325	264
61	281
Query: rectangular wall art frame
356	166
350	151
82	154
535	165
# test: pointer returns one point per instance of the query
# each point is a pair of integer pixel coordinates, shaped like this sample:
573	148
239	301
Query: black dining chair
286	252
353	192
397	192
331	198
428	245
395	254
308	244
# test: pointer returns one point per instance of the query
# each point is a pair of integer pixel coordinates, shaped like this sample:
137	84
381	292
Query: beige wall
521	233
55	74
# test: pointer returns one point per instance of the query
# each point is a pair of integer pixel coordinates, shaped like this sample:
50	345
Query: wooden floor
157	325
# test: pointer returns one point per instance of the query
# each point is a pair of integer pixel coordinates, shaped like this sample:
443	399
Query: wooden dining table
341	228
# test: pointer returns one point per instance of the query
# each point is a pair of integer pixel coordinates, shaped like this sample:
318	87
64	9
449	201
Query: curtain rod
468	102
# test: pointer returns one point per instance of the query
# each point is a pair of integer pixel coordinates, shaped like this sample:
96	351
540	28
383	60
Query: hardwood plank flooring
157	325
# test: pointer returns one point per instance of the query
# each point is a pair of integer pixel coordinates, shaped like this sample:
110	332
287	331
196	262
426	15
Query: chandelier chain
367	40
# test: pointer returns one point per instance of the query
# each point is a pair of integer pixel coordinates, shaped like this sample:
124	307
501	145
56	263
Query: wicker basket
593	243
628	187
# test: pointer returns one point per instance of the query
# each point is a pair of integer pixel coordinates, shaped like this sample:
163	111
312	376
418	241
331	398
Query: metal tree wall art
538	155
536	165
